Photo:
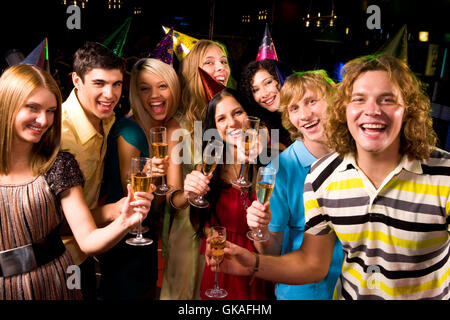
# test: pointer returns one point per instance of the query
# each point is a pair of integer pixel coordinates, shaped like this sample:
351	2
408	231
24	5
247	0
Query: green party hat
117	40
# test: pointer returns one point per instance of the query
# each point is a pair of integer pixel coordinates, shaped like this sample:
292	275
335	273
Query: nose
219	66
154	93
108	91
305	113
231	122
372	108
44	118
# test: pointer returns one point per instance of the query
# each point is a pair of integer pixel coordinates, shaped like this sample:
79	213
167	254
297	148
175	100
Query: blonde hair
16	85
165	72
417	135
295	87
193	98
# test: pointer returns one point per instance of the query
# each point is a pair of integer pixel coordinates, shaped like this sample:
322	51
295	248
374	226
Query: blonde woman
128	273
39	187
184	283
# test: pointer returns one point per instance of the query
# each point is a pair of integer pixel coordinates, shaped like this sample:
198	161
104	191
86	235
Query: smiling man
384	193
87	117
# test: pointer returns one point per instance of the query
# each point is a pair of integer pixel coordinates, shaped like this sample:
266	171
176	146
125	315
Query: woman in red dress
228	204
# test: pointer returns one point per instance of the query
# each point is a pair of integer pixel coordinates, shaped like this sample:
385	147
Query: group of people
360	185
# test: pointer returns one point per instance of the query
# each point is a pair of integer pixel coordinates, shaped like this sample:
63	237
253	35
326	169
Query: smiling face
155	95
375	114
99	93
229	118
265	90
35	117
216	64
308	116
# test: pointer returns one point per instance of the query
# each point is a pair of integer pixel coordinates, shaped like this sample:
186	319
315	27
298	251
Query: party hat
211	86
164	49
182	43
397	46
266	48
39	56
117	40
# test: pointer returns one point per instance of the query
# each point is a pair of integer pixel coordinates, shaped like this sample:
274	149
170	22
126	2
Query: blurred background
307	34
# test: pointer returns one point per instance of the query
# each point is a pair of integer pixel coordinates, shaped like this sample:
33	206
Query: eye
118	84
220	119
53	110
387	101
31	107
163	86
293	108
312	101
255	90
144	89
224	62
357	100
209	62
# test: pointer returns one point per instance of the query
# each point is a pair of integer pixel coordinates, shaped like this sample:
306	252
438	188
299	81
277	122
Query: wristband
255	269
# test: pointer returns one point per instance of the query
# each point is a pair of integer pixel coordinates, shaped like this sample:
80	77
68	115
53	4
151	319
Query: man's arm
308	264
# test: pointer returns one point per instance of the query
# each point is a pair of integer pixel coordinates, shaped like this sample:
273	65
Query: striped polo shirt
396	239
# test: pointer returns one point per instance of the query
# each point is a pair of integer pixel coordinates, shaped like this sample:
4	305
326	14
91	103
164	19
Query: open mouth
234	133
36	130
311	125
373	128
158	107
270	101
105	106
221	79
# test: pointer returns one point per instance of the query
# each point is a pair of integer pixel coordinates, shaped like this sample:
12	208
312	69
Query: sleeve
64	174
316	222
278	202
134	135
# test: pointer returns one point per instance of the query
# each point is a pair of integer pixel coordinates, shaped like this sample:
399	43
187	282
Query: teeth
105	104
373	126
270	100
309	125
34	128
156	104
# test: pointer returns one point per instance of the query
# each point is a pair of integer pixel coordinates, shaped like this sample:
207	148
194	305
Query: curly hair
247	75
294	89
417	137
193	98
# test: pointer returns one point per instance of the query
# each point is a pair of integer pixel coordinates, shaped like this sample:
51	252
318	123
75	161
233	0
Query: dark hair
272	120
245	84
199	217
95	55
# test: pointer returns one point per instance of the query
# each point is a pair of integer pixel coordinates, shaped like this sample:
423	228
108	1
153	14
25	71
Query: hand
160	166
136	210
196	184
259	216
236	261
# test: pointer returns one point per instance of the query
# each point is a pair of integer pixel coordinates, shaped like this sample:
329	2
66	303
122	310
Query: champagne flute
249	139
265	182
158	136
211	156
141	175
218	237
134	231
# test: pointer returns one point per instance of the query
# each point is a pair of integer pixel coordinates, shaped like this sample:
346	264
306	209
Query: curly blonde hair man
417	136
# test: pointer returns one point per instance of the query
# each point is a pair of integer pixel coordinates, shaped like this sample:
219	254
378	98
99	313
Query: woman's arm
175	169
93	240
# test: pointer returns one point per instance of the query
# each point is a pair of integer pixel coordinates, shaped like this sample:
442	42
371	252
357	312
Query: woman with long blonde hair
154	98
39	187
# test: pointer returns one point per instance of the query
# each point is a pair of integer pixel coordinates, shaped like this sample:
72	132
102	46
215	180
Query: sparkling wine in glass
141	179
160	149
265	182
134	231
211	156
218	238
249	139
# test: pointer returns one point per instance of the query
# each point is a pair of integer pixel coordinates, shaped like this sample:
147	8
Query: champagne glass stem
216	281
139	230
241	173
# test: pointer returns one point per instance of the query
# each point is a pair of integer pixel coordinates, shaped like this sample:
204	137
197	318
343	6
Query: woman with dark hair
260	83
226	115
